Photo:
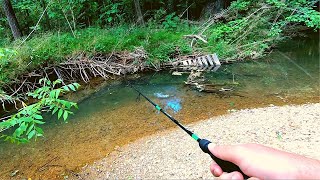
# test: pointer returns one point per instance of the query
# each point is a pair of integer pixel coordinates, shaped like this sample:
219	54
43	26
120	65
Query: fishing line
226	166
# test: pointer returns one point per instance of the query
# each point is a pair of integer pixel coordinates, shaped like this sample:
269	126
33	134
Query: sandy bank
174	155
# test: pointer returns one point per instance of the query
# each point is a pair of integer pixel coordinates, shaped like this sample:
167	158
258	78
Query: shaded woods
72	15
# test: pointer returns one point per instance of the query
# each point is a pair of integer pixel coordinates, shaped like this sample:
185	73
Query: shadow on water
112	117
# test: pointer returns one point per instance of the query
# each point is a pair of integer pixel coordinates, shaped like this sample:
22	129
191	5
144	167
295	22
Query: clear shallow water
112	117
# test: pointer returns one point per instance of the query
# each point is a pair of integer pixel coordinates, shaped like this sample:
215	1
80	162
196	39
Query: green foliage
27	121
163	44
298	11
253	27
171	21
157	16
110	14
240	5
5	54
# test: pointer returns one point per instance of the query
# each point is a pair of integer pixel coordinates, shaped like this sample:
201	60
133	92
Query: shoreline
290	128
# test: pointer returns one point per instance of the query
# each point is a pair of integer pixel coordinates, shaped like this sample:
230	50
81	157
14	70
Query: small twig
18	88
59	76
36	24
185	10
194	36
67	21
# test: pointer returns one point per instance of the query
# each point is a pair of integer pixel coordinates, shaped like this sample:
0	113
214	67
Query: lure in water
226	166
161	95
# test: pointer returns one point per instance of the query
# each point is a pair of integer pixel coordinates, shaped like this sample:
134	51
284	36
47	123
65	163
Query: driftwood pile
77	67
103	66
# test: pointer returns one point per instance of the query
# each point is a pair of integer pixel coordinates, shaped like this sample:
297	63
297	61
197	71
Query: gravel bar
172	154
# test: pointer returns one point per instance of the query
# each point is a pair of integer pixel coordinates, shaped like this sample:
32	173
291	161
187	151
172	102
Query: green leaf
31	134
57	93
55	110
65	115
30	128
66	88
13	122
58	81
60	113
41	94
27	119
52	94
17	132
38	116
76	85
3	136
51	106
39	130
23	140
68	104
48	82
38	135
39	122
23	126
71	87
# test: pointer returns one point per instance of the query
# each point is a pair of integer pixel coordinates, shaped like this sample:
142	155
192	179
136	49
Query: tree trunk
138	12
13	23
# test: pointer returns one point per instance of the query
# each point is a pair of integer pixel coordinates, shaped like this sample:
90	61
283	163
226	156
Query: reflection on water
112	117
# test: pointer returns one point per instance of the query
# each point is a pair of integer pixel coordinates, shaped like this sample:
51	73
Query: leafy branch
26	122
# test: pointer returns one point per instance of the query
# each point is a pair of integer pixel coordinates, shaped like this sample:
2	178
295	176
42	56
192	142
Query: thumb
233	175
226	152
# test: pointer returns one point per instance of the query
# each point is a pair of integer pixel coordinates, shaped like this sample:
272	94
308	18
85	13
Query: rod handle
226	166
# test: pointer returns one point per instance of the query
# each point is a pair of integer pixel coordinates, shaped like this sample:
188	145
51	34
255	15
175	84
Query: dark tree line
22	15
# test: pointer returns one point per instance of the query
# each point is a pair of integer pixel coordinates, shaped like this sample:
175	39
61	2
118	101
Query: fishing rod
226	166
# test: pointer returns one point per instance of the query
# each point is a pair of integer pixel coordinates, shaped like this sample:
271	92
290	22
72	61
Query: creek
111	117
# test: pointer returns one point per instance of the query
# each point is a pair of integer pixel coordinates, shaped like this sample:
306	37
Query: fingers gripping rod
226	166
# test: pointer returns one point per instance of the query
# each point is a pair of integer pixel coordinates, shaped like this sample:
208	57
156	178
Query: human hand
258	161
